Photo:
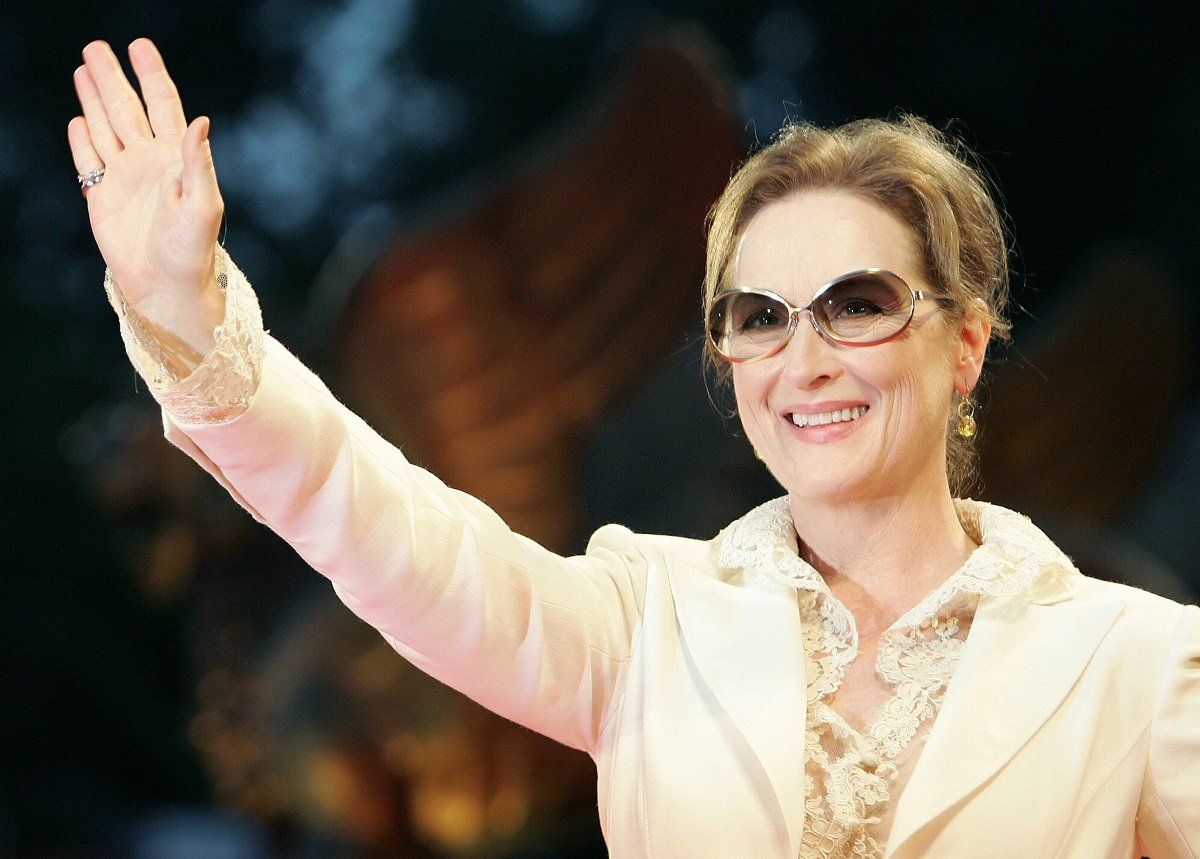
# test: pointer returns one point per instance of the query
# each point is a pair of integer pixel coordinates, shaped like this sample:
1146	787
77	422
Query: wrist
182	330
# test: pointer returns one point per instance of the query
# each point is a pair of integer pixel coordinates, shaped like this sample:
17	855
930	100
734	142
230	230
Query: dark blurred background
174	683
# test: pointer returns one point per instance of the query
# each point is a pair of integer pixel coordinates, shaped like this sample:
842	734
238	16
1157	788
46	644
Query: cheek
750	396
916	390
748	389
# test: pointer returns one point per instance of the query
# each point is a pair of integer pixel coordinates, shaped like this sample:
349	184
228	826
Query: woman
864	667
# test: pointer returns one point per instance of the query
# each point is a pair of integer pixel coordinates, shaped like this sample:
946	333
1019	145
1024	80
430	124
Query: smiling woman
865	667
899	379
924	179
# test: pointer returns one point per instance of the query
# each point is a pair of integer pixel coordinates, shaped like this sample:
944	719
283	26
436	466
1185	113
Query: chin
825	479
827	489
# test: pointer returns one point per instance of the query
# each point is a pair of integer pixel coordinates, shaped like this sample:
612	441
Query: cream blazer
1071	728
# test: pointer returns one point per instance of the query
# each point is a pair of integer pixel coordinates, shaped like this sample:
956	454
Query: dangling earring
757	455
966	418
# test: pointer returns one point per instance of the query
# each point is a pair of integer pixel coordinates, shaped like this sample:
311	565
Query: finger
199	176
83	154
158	90
87	161
125	112
99	130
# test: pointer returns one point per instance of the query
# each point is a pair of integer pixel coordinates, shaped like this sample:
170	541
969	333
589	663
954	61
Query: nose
809	360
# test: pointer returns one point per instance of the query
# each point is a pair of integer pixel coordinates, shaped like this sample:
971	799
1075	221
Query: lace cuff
218	386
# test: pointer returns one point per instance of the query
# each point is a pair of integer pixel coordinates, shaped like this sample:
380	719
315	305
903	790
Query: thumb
199	177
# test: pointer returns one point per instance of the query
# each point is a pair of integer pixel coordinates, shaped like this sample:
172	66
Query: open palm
156	213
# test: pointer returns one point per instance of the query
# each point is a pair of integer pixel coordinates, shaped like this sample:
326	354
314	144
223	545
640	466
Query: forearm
539	638
535	636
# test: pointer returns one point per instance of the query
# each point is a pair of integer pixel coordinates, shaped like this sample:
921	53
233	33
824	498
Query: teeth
823	418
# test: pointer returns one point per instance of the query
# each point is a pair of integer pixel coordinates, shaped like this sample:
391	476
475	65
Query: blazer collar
746	643
749	617
1021	659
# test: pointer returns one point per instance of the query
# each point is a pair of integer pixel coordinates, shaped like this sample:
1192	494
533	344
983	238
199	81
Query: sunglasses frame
794	312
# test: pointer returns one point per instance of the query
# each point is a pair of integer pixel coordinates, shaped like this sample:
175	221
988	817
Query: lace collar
1014	556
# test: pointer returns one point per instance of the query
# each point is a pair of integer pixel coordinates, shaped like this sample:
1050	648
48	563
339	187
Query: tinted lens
745	325
864	308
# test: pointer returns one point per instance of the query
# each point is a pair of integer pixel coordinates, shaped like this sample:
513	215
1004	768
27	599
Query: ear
971	340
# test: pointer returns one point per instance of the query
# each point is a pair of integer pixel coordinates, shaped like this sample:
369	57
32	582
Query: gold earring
966	427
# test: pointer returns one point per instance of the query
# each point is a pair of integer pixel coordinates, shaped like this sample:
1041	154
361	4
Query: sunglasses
862	308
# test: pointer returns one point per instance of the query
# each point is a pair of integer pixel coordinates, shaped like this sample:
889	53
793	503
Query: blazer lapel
747	647
1020	661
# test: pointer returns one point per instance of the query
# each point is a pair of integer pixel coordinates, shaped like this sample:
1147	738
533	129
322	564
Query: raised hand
156	209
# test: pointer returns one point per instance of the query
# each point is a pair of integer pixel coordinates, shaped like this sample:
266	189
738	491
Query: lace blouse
853	776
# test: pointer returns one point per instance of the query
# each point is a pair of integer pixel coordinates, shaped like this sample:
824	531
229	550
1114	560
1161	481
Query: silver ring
90	178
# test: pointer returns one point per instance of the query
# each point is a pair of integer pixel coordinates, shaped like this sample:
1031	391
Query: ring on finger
90	178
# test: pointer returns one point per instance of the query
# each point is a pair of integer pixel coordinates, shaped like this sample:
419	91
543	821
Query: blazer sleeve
1169	815
539	638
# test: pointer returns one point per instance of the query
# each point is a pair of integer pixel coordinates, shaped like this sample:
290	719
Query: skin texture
793	248
156	214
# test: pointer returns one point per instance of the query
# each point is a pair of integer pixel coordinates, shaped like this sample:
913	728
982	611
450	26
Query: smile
822	418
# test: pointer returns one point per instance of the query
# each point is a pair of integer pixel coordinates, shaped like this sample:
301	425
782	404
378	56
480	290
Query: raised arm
156	207
539	638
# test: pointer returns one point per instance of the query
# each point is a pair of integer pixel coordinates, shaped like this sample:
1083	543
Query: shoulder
1149	626
686	552
1035	570
1044	572
1136	600
756	551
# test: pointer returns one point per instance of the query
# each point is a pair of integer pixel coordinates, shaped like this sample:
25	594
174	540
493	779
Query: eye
863	297
756	314
853	307
762	318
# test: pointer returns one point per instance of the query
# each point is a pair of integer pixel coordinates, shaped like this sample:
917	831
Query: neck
889	552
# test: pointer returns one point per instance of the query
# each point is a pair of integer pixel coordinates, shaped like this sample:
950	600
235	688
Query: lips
836	416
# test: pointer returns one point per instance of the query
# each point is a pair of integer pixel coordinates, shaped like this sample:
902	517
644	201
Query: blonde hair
906	166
